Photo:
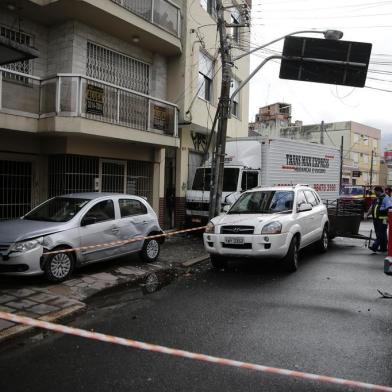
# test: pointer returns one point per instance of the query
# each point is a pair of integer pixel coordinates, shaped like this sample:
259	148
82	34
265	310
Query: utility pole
371	169
218	161
341	165
322	132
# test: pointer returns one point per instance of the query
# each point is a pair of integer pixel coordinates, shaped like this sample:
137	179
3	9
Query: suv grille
197	206
237	230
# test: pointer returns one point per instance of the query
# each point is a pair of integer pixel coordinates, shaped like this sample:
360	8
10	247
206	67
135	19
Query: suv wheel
150	251
290	261
59	266
324	241
218	262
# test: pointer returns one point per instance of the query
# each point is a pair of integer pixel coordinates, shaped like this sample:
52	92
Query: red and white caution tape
124	242
187	354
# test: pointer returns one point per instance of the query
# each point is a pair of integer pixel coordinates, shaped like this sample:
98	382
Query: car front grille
237	246
4	248
237	230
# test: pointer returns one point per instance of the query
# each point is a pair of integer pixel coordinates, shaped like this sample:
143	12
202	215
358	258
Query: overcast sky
360	20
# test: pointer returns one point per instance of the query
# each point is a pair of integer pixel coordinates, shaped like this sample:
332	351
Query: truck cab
236	180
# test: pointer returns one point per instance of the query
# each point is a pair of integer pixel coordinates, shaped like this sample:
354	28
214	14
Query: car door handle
115	230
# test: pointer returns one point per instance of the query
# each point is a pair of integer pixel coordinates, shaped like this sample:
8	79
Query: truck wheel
218	262
324	241
59	266
290	261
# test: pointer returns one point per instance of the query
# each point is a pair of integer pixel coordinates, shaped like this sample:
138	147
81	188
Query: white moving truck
256	161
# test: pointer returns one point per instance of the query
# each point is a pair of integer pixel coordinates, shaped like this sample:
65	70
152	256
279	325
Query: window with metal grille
75	173
72	174
116	68
140	179
15	188
24	66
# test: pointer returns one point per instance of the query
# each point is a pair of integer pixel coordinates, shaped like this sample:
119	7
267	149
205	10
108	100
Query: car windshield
263	202
202	179
353	191
59	209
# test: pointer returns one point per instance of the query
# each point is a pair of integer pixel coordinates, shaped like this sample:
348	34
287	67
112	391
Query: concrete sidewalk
33	297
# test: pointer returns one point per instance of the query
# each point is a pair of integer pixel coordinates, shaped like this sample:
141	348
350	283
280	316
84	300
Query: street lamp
328	34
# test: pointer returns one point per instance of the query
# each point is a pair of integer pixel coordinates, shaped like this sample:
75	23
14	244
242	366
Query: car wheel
324	241
150	251
290	261
59	266
218	262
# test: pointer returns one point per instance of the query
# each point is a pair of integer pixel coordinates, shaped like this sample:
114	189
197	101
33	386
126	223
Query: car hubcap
152	249
60	265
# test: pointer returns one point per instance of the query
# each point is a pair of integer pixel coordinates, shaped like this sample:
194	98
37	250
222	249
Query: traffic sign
325	61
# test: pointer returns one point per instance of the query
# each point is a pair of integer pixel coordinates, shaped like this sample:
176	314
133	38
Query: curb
195	260
19	331
170	272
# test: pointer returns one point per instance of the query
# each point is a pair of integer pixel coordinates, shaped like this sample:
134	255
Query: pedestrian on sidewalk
379	211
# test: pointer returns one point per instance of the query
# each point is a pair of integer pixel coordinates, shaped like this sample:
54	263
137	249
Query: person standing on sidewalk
379	211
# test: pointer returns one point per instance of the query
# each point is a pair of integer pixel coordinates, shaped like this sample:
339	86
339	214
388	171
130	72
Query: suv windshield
59	209
263	202
202	179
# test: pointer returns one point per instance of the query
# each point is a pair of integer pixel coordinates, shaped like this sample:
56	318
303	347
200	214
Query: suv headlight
25	246
272	228
210	228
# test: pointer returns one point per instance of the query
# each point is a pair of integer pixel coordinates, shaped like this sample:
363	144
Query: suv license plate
234	240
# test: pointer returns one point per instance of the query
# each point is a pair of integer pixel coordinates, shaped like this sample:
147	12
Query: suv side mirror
88	220
226	208
305	207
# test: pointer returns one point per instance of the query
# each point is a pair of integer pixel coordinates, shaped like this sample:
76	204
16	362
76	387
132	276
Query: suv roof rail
301	185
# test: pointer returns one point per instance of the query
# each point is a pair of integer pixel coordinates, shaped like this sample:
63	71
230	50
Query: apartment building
361	147
270	119
120	95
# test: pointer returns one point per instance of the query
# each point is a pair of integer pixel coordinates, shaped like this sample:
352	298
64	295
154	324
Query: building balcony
76	103
153	24
163	13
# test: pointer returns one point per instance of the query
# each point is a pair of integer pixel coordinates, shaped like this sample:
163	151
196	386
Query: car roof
94	195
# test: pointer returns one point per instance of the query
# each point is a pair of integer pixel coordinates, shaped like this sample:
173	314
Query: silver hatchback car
73	221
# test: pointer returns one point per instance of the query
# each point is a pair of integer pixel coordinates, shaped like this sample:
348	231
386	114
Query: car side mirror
226	208
88	220
305	207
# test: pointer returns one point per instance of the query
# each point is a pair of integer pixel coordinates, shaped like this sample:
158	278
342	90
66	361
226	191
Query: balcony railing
163	13
73	95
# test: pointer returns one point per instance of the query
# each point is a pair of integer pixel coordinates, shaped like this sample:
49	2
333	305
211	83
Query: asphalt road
327	319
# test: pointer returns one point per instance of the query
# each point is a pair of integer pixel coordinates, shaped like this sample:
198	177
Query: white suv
273	222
